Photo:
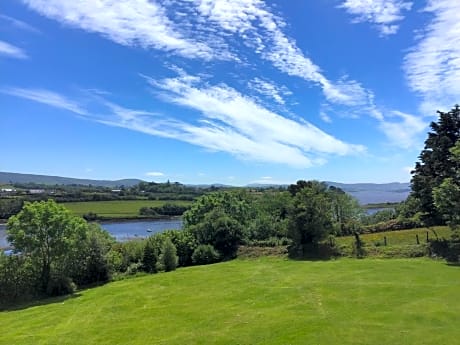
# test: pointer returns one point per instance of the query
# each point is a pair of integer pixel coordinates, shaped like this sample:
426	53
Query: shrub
150	257
392	225
450	250
134	268
90	216
185	245
168	257
205	254
17	281
60	285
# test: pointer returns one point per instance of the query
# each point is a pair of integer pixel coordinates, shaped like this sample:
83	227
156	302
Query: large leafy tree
49	234
311	218
221	231
234	204
220	219
435	163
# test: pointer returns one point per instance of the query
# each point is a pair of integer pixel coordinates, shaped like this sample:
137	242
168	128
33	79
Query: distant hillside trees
10	207
167	209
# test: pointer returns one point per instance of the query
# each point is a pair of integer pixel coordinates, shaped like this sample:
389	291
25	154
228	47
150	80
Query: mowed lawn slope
263	301
118	208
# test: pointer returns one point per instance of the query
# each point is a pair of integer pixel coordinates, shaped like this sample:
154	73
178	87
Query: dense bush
447	249
17	279
90	216
393	225
205	254
10	207
60	285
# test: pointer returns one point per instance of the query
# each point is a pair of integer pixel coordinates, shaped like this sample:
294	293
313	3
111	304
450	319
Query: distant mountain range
374	193
366	193
10	178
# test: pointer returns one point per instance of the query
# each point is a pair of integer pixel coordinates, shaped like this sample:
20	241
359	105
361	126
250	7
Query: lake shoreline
122	229
108	220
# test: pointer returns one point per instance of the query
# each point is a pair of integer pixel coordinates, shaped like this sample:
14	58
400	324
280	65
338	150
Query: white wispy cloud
269	89
19	24
404	130
235	123
384	14
45	97
154	174
9	50
228	122
325	117
433	65
203	29
261	30
128	22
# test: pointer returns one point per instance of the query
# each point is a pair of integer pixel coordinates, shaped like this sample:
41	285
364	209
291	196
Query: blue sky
224	91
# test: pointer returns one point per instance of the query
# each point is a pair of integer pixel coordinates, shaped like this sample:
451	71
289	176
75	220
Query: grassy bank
399	244
119	208
400	237
264	301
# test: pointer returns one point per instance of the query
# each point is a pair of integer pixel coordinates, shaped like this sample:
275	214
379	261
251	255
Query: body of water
123	231
371	211
3	241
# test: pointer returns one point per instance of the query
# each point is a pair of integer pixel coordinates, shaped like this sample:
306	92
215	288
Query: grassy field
264	301
117	208
401	237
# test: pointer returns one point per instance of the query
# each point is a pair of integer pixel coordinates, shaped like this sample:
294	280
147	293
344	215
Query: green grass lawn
263	301
117	208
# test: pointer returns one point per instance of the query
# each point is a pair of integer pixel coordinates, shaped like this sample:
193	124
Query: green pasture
117	208
400	237
263	301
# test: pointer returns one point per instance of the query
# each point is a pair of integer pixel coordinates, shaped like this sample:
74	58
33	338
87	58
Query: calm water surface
123	231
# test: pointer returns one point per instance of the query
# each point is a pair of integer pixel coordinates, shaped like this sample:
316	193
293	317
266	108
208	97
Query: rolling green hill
10	178
264	301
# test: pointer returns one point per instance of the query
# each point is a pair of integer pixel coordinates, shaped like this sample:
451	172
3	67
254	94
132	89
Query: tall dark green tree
434	164
447	195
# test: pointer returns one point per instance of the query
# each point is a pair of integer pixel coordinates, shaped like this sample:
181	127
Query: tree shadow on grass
313	252
37	302
453	264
